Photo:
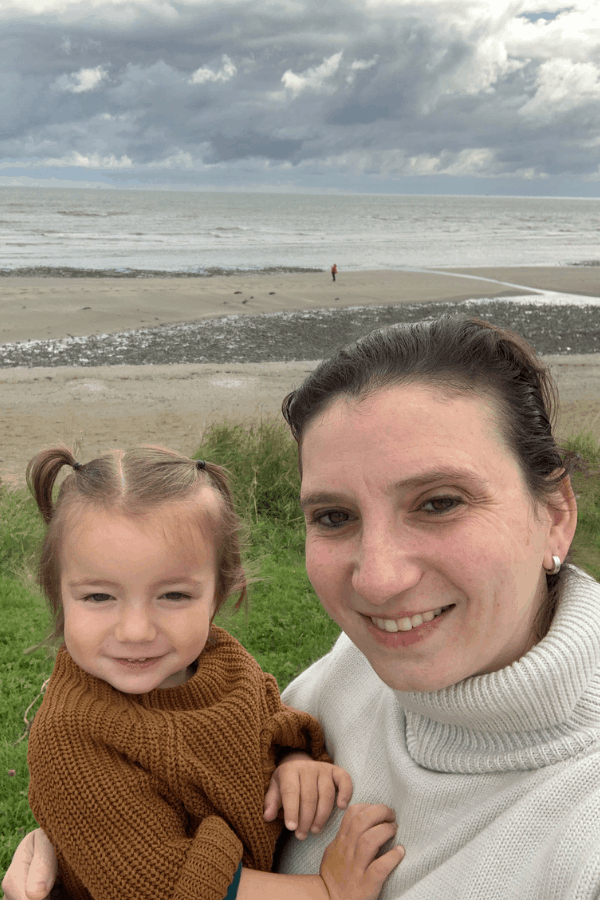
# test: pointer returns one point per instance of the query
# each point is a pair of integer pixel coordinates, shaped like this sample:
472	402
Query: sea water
137	232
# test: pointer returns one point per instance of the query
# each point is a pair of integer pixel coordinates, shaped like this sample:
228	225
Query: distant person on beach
333	271
155	717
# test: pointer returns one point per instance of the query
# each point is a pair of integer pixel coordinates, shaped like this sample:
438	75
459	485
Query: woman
465	692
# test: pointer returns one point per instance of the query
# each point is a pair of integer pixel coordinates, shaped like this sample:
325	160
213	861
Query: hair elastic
200	464
77	466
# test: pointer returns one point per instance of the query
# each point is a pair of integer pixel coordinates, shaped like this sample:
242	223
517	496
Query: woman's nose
384	568
135	624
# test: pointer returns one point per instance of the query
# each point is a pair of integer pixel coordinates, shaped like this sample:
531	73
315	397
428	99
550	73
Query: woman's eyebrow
422	479
435	476
317	498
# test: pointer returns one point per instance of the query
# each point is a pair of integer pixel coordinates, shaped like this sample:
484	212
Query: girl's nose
135	625
384	568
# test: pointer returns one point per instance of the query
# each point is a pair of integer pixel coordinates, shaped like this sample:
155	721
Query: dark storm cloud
390	88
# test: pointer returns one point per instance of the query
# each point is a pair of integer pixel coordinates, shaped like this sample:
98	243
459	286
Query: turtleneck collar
542	709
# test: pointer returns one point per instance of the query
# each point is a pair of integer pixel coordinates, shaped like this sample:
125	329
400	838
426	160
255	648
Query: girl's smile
138	595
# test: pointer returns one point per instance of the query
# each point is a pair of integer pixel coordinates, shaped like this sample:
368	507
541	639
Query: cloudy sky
392	96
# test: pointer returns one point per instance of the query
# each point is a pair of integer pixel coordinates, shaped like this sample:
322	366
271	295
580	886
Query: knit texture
495	781
161	795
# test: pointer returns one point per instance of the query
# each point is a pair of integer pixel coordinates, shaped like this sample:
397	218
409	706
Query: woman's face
423	542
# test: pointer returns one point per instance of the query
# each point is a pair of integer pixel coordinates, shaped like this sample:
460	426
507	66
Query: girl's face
423	542
138	595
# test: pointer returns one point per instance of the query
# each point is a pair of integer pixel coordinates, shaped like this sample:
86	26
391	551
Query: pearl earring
557	565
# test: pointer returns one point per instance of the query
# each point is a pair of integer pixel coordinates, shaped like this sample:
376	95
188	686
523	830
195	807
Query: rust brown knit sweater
156	796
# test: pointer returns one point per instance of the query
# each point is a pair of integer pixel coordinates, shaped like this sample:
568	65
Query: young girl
160	755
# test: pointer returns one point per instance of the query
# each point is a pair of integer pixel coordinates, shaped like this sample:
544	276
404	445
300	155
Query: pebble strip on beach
314	334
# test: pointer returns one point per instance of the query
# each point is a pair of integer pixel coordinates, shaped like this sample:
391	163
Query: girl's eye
440	505
331	519
98	598
176	595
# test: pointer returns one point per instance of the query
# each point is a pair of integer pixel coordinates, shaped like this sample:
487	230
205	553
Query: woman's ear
562	509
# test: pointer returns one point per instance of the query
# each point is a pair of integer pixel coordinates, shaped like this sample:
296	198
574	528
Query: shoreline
50	308
105	406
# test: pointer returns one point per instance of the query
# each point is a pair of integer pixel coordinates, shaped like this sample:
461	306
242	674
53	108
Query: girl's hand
350	867
306	789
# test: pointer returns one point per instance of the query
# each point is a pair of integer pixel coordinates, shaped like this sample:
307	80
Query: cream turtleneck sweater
495	781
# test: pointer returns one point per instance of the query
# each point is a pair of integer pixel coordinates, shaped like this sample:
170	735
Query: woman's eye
97	598
176	595
332	518
440	505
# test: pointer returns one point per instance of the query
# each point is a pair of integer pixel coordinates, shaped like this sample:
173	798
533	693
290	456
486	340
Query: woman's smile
406	632
407	623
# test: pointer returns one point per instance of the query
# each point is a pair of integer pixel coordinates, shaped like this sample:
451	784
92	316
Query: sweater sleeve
118	832
289	729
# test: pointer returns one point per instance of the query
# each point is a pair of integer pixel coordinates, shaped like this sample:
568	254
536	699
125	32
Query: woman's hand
307	790
350	867
32	871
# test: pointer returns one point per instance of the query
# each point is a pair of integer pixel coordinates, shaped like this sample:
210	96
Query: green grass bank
284	626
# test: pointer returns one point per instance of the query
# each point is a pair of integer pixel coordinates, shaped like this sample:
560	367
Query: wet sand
42	308
120	405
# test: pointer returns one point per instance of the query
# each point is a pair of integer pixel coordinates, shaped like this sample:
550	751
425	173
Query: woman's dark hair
457	354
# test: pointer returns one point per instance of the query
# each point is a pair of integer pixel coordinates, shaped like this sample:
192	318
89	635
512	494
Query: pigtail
232	578
42	473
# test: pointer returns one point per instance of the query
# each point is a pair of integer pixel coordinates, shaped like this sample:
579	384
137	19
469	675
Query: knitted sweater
495	781
160	795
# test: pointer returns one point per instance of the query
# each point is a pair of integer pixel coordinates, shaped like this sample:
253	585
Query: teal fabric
233	887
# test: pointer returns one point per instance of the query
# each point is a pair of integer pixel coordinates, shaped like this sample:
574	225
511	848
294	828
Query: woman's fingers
384	865
351	868
43	868
32	871
362	816
371	841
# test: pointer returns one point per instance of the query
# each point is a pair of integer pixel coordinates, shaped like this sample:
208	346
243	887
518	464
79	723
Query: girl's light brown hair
132	482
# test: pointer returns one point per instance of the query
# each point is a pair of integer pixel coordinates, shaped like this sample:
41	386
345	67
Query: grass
586	484
285	627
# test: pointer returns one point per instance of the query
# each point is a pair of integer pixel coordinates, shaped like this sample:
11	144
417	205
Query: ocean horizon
141	233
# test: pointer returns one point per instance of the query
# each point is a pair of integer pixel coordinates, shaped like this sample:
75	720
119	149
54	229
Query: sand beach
97	407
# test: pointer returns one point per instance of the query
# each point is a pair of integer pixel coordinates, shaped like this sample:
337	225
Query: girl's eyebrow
104	582
422	479
88	582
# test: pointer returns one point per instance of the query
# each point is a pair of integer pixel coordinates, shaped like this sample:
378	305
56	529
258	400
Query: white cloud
82	81
313	78
364	63
561	87
482	69
474	162
464	88
360	65
89	161
204	74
